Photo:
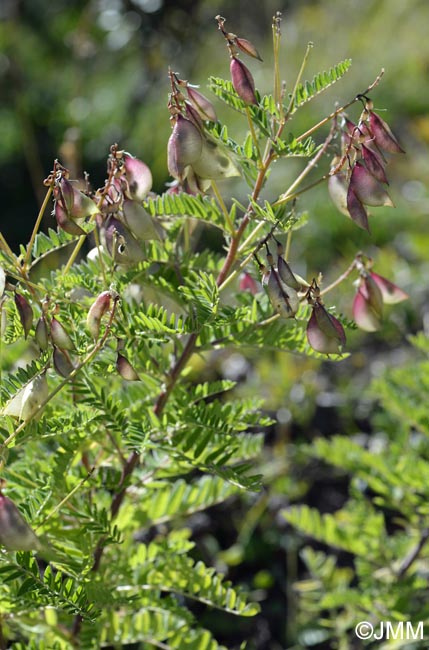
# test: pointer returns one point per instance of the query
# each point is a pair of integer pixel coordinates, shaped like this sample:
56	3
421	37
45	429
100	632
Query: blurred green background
77	76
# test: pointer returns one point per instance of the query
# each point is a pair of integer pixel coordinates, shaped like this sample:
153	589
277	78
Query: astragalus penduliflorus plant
108	441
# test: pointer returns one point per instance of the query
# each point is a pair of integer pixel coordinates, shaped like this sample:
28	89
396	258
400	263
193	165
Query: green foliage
383	525
116	438
320	82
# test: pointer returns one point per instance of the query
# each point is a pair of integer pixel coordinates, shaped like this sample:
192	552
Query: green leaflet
306	91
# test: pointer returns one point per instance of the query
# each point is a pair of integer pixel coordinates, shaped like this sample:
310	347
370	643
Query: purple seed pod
374	164
96	312
204	106
383	135
120	243
59	336
390	292
125	369
286	274
242	81
284	299
65	223
247	47
367	188
25	313
41	333
65	194
15	533
140	222
139	177
368	305
75	204
62	363
356	210
364	316
193	115
248	283
184	147
324	332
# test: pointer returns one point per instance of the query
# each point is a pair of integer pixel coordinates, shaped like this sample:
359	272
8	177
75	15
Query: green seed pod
140	222
60	337
25	404
41	333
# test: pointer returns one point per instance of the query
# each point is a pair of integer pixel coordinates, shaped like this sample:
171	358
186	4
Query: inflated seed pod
25	405
139	177
96	312
41	333
15	533
243	82
125	369
25	313
62	363
59	336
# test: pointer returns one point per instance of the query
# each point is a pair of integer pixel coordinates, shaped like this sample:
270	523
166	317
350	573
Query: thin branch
413	555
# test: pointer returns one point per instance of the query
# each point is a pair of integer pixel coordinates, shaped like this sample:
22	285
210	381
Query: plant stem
75	253
254	137
276	50
6	248
36	229
409	560
223	207
341	109
340	279
298	80
66	498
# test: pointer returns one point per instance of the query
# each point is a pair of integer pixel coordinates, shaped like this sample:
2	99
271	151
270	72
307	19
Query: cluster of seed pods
117	207
194	158
325	333
358	175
